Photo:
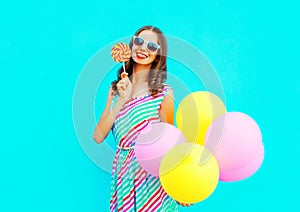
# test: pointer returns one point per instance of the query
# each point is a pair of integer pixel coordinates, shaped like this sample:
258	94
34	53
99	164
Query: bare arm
108	116
166	111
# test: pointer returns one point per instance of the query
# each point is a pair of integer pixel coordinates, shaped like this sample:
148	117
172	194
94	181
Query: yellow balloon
184	177
196	112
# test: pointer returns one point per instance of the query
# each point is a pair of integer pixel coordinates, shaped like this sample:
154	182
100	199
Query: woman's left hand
184	204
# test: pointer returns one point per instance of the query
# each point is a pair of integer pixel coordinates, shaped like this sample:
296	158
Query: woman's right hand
124	87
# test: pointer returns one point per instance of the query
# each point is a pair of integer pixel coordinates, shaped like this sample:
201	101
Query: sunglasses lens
152	46
138	41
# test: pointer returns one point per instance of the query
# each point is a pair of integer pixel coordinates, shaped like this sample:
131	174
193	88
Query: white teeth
141	55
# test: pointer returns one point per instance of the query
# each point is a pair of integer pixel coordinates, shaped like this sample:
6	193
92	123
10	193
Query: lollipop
121	52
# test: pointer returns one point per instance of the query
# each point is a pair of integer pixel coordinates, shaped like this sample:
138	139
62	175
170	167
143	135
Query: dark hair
158	70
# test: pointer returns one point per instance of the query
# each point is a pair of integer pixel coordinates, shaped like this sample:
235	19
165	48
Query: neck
140	73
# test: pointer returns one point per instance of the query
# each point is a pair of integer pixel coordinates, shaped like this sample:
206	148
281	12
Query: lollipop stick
124	74
124	70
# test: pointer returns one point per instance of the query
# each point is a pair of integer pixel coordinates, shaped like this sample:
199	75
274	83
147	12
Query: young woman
133	102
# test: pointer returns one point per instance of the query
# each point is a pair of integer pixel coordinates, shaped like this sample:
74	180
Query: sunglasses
151	46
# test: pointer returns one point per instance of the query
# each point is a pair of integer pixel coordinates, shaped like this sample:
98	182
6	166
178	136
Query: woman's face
141	54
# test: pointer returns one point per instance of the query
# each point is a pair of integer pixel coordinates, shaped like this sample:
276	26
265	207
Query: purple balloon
235	140
154	142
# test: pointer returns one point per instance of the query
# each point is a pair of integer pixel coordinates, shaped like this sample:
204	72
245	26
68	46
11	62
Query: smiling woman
133	102
148	59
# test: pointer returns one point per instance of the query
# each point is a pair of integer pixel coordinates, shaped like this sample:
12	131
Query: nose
143	47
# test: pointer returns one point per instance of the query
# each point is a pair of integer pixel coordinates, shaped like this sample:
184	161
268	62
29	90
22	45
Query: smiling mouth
141	55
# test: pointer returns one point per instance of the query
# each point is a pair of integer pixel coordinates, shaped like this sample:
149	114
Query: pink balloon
235	140
154	142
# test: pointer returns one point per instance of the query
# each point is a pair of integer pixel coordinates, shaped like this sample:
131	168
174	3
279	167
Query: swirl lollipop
121	52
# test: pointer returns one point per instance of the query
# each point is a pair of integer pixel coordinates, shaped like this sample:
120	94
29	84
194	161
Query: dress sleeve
166	89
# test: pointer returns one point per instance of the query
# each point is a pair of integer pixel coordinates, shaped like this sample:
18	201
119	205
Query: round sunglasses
151	46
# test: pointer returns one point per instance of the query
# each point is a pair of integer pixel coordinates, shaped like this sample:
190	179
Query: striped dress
132	188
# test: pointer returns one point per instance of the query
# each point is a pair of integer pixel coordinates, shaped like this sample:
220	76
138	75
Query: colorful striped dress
132	188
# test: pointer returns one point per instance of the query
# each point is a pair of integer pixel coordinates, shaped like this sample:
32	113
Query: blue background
44	45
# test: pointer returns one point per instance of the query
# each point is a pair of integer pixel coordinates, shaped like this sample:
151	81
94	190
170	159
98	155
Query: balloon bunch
209	145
